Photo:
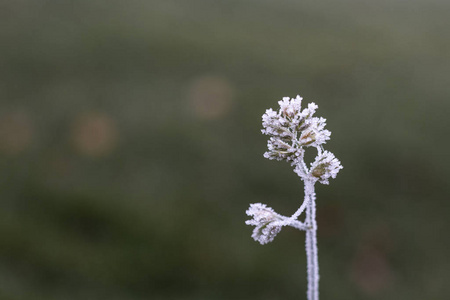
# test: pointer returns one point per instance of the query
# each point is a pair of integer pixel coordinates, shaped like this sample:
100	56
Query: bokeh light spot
371	270
210	97
94	134
16	132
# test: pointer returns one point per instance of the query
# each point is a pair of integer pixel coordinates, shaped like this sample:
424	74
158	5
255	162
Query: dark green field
130	148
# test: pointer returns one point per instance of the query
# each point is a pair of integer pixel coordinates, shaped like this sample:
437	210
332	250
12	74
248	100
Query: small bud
325	166
320	170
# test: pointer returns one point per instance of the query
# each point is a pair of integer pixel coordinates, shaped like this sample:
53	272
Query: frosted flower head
291	129
264	219
326	165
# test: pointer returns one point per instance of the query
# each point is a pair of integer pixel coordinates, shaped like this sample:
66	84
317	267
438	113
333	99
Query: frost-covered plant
293	130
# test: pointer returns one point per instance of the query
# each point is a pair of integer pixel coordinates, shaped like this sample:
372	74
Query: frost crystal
264	218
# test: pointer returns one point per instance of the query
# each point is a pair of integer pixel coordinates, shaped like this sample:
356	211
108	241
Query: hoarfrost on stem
291	131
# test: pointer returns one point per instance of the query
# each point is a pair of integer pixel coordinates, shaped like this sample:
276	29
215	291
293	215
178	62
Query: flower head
264	219
291	129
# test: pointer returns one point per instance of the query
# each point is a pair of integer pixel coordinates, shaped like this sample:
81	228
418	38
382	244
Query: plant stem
311	243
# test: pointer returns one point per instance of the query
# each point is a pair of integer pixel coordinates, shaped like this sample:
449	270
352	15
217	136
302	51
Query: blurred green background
130	147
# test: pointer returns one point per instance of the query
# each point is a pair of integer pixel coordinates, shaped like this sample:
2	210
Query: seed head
291	129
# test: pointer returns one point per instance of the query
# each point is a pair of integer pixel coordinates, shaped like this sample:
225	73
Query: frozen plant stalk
293	130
